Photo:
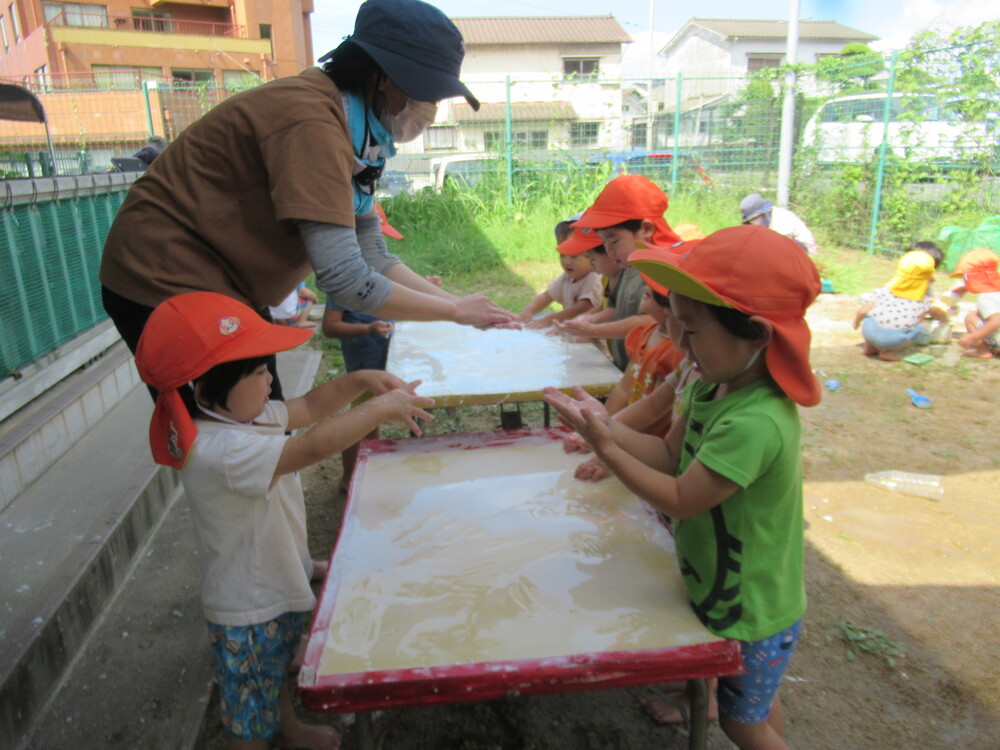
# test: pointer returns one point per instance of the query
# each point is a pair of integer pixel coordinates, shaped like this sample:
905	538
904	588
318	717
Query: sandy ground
892	571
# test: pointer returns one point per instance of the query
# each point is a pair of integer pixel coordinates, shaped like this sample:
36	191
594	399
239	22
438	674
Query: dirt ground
884	570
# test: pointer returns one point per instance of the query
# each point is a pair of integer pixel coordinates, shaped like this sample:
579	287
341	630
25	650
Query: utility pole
788	107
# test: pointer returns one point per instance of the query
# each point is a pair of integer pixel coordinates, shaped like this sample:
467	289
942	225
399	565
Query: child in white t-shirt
239	467
578	289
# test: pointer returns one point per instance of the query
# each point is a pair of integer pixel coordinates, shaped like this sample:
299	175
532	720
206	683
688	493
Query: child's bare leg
868	350
765	735
296	734
665	712
981	348
890	355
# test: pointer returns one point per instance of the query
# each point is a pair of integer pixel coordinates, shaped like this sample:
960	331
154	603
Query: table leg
698	734
366	730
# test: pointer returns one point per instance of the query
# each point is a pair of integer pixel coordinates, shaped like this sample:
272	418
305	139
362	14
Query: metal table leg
698	735
366	730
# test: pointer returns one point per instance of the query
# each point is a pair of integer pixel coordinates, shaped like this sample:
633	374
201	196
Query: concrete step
102	642
35	436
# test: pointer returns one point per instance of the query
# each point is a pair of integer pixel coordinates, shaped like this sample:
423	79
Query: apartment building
55	44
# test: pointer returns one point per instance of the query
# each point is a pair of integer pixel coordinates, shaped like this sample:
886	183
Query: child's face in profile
246	399
652	309
575	266
718	355
602	263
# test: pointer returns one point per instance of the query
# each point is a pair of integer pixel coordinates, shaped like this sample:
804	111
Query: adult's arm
367	278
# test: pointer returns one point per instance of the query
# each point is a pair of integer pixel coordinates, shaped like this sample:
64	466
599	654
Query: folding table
461	365
473	566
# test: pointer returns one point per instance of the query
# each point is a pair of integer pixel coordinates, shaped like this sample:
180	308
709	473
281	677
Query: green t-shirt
742	561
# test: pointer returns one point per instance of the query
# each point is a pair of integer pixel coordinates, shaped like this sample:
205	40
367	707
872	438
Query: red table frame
381	689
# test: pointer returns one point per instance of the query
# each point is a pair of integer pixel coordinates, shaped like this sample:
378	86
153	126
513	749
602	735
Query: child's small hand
435	280
407	407
383	328
968	341
380	381
575	444
576	328
573	410
536	323
591	470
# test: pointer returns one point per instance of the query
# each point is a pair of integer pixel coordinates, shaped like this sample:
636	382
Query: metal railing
159	25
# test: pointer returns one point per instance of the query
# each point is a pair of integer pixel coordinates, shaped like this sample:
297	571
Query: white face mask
412	120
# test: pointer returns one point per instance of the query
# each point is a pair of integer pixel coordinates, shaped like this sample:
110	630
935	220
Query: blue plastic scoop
923	402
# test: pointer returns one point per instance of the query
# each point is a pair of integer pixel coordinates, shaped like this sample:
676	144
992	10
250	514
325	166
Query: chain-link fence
889	149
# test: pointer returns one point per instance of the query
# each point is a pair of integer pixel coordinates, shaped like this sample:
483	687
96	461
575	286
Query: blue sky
893	20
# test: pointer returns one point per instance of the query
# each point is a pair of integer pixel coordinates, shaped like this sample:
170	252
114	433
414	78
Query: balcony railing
119	22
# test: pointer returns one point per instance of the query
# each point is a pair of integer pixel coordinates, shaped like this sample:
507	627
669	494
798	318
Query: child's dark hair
932	249
737	323
629	225
352	69
563	230
599	249
661	299
214	386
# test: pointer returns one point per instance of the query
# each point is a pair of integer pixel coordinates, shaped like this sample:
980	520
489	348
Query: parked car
656	165
921	126
392	183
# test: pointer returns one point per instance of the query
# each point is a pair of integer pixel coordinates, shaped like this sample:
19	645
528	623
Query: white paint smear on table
495	554
460	360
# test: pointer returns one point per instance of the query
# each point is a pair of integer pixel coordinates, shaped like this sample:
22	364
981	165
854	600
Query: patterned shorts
747	697
251	665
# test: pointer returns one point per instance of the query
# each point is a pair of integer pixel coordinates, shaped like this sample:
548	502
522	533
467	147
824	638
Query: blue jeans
888	339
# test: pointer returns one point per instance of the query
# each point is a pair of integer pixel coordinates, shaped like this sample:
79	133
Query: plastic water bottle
908	483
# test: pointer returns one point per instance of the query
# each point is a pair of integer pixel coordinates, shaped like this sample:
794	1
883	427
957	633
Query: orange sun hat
185	337
759	272
626	198
979	268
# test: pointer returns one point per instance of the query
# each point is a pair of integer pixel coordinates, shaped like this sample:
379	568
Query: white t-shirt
988	304
568	292
251	535
785	222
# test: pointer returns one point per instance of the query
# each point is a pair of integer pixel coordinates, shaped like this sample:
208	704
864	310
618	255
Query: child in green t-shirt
729	471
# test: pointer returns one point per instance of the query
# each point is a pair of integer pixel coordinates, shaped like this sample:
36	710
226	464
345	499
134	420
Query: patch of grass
868	640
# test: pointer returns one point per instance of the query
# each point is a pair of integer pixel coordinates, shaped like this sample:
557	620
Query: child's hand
591	470
573	410
435	280
543	322
407	407
576	328
383	328
575	444
380	381
968	341
524	317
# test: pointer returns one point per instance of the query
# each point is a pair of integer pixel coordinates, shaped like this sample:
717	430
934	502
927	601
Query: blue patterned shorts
251	665
747	697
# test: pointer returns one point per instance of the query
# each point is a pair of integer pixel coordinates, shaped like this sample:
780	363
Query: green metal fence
50	253
889	149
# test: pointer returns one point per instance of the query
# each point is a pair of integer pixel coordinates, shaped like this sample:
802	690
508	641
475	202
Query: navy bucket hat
417	46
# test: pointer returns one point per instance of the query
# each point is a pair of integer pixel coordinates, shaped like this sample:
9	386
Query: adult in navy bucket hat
416	45
278	182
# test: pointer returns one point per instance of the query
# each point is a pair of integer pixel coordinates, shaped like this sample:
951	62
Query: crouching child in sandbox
729	472
239	469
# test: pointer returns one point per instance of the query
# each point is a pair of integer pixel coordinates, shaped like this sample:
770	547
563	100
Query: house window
757	62
123	77
265	31
581	68
14	22
144	19
494	140
3	33
192	75
75	14
638	135
583	133
237	80
42	77
439	137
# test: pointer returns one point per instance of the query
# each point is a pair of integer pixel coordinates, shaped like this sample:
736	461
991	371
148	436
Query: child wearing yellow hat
890	316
